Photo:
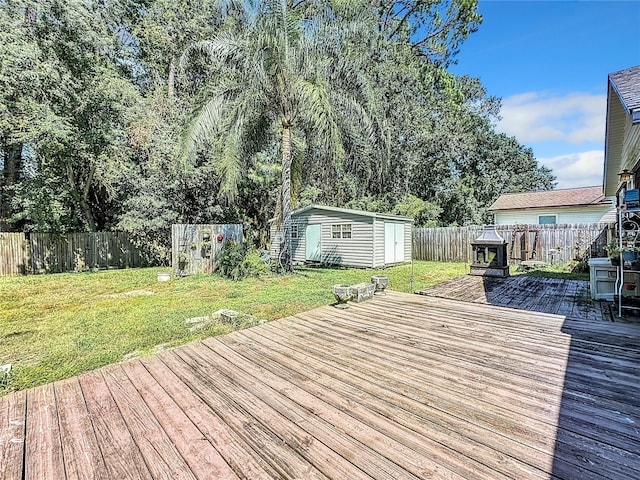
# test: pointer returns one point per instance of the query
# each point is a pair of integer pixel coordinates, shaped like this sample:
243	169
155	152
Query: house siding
564	215
631	146
622	143
617	120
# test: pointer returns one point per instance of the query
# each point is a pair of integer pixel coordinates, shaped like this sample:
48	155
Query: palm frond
206	119
317	112
224	46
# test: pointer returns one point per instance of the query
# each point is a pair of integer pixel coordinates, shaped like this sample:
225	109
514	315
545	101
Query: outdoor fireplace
489	254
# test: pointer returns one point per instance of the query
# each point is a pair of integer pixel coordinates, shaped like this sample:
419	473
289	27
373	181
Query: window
294	231
341	231
547	219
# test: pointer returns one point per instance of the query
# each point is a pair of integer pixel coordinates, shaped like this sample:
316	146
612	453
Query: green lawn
57	326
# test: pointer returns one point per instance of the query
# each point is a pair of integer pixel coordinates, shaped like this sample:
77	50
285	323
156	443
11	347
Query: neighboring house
622	138
338	236
570	205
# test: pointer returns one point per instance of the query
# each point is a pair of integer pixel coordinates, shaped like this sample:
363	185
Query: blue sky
549	61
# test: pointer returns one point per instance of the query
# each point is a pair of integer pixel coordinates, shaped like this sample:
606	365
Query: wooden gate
197	248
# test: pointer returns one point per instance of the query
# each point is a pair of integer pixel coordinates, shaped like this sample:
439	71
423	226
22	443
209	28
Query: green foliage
239	261
424	214
339	103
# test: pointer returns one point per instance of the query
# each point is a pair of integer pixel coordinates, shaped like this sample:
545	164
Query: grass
57	326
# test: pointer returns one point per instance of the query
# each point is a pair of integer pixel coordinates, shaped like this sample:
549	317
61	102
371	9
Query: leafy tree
424	214
346	103
80	102
434	28
22	76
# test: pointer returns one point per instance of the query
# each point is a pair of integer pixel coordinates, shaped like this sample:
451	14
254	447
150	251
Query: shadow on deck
570	298
597	428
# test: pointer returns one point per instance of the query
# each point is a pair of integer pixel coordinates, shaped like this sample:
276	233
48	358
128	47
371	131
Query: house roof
351	212
550	198
626	84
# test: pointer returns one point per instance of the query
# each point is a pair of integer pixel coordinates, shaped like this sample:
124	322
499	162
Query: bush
237	261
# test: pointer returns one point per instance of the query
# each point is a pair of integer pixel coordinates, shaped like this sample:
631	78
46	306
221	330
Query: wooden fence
553	244
13	254
22	254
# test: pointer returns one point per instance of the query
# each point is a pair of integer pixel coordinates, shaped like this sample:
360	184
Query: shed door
313	250
393	242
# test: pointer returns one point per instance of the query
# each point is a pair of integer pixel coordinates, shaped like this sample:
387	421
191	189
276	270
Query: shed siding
408	241
364	249
564	215
356	251
378	244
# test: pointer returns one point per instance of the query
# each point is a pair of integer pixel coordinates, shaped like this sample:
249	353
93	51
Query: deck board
82	457
201	456
43	446
400	387
12	424
158	450
120	453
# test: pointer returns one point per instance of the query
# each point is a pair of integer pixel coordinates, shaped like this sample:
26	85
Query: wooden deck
400	387
571	298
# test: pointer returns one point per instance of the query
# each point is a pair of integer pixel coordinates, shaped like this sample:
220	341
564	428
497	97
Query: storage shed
338	236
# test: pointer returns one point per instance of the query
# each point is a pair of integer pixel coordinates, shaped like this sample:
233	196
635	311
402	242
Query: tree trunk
11	175
82	195
171	82
286	197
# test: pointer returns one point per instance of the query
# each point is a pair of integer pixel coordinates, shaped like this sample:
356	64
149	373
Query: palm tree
274	76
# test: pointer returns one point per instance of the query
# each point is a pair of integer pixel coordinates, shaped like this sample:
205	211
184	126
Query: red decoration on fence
219	237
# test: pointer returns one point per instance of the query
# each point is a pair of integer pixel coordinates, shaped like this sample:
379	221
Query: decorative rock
362	291
198	320
228	316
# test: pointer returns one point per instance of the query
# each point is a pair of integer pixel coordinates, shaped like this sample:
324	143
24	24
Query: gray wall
365	248
355	251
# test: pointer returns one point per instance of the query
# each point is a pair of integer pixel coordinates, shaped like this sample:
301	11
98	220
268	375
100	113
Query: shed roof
626	84
550	198
351	212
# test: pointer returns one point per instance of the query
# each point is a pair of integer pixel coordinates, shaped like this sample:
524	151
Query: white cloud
582	169
538	116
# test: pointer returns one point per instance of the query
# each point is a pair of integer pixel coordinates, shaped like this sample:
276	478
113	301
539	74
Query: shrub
237	261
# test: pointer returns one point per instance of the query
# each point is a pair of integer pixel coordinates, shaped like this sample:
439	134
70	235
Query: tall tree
21	79
435	28
80	101
274	80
